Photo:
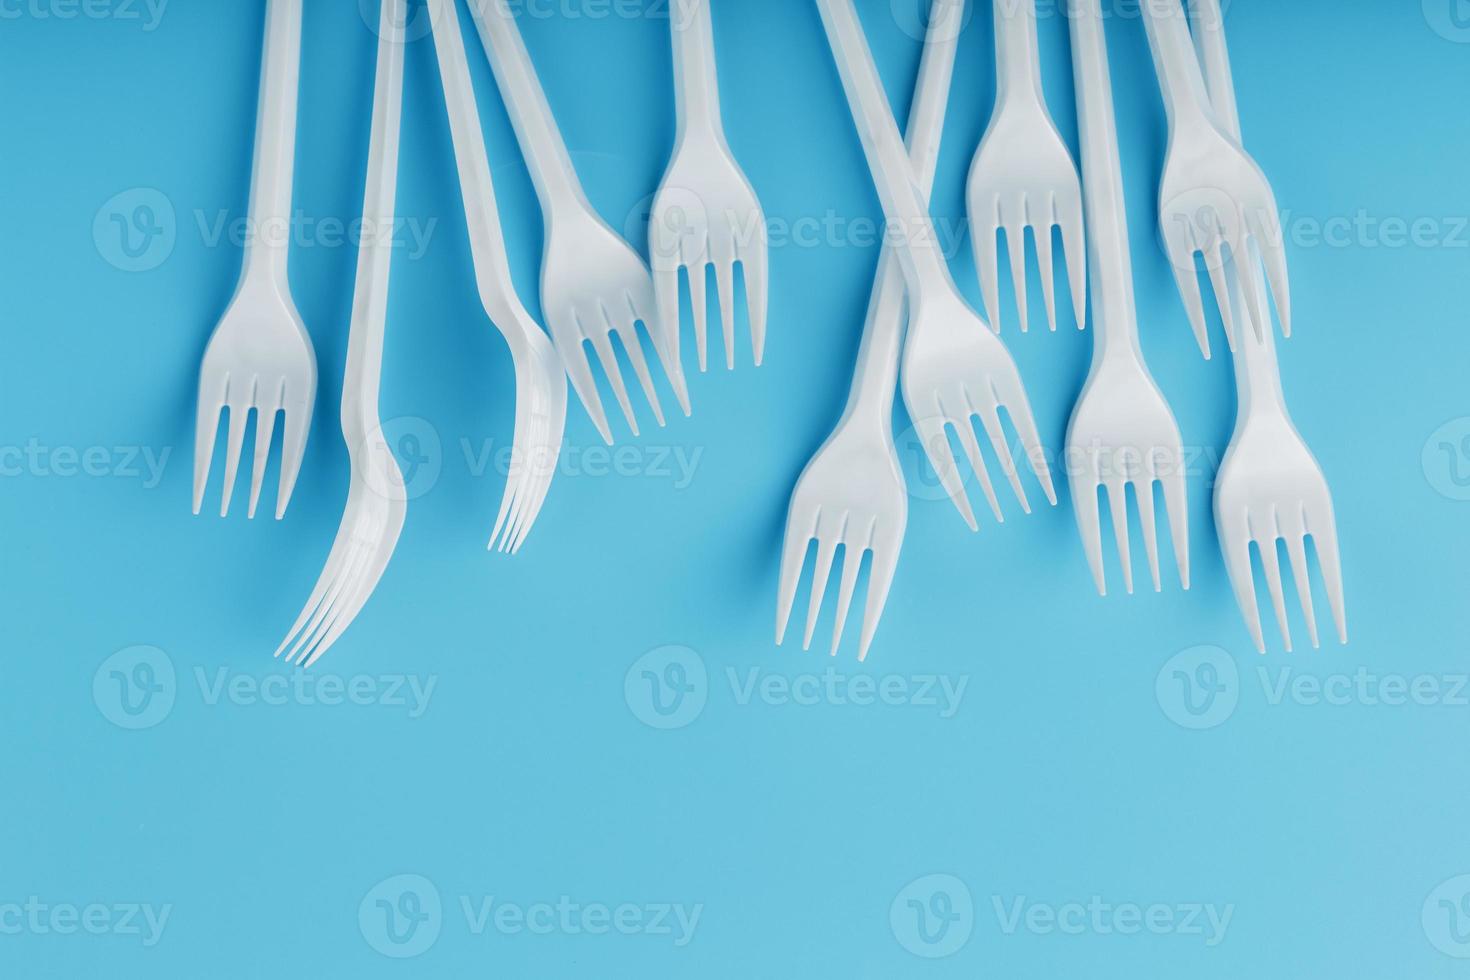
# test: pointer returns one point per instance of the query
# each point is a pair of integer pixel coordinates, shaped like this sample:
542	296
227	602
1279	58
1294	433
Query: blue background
531	774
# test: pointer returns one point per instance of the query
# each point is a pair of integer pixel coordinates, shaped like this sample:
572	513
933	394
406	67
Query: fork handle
1102	177
363	377
904	203
477	187
1257	371
266	250
545	151
1017	52
696	83
1180	79
875	380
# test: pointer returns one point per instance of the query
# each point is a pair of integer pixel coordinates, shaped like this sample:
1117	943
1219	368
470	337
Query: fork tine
698	300
1181	248
335	559
1013	220
294	429
1176	504
627	332
1271	564
1041	235
1011	394
1324	539
528	518
1296	550
1117	491
1074	250
725	285
325	613
1216	267
265	428
852	562
1267	237
509	503
826	551
1143	492
985	228
966	431
1089	522
1235	542
579	372
666	298
1251	285
603	346
991	421
755	265
367	580
880	581
793	557
239	415
935	443
206	426
665	342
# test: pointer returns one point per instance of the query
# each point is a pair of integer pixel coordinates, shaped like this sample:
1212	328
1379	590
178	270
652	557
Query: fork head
1271	489
1024	177
259	360
706	214
955	372
852	494
1123	435
377	503
540	423
594	288
1216	202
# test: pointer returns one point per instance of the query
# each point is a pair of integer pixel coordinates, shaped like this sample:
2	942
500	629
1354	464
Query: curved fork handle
1114	312
696	83
275	144
487	237
874	380
541	142
1017	52
904	204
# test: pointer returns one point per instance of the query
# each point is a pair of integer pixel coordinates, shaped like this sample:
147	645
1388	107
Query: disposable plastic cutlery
377	500
1212	196
541	385
1122	432
1023	177
1270	485
954	368
259	358
594	287
705	213
853	492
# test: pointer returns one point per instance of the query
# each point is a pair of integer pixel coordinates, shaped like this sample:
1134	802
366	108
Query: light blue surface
269	824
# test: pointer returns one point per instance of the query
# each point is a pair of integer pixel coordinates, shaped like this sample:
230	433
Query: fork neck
1181	79
1257	371
696	82
266	250
1017	53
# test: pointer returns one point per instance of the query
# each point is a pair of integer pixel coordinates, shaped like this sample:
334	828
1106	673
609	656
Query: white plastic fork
377	499
1122	432
853	491
1270	488
259	358
1023	177
594	287
541	384
1212	196
955	369
706	213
